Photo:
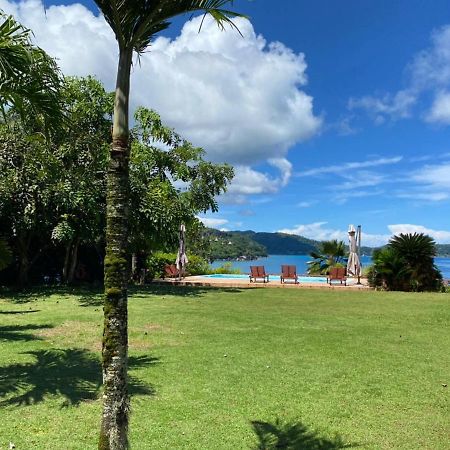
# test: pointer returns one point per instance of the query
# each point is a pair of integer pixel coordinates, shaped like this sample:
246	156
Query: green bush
155	264
225	268
406	264
197	265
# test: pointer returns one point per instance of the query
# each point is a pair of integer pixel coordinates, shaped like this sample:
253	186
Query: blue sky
332	112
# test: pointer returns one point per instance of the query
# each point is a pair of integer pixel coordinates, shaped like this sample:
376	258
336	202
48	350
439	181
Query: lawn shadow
178	291
91	299
293	436
74	374
19	312
18	332
33	294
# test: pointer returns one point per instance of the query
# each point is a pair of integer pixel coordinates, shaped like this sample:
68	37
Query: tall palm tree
135	23
29	79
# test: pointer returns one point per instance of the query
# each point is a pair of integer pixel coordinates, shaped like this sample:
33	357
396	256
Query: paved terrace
274	282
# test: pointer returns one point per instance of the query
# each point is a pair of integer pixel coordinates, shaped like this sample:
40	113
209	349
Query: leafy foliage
329	254
170	183
135	23
5	254
29	79
157	261
406	264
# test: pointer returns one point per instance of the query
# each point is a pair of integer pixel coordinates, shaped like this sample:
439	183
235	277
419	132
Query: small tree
406	264
329	254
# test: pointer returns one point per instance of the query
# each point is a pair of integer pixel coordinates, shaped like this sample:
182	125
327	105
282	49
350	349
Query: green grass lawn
232	369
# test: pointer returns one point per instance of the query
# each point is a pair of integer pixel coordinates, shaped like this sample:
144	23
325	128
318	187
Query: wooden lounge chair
338	274
288	273
258	272
170	271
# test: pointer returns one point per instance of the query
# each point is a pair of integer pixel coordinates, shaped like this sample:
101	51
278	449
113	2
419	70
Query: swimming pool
232	276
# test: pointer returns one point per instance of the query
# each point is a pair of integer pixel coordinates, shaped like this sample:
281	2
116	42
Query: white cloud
318	231
429	71
434	176
440	109
345	167
304	204
430	68
248	181
359	179
212	222
380	109
344	196
425	196
440	236
315	231
240	98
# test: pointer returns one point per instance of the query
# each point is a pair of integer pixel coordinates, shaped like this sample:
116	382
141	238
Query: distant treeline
250	245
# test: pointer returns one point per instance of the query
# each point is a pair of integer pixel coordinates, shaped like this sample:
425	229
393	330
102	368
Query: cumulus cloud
240	98
248	181
442	237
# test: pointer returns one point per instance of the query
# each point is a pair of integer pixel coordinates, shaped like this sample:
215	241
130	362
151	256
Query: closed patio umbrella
353	263
181	260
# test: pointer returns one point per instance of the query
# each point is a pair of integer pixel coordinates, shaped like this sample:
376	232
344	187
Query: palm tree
29	79
135	23
418	251
327	255
406	264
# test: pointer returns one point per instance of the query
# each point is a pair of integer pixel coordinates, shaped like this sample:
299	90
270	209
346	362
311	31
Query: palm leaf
136	22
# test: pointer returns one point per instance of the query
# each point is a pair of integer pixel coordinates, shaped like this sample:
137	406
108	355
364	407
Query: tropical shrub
329	254
406	264
157	261
225	268
197	265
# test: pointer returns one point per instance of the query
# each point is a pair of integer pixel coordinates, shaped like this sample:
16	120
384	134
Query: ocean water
272	263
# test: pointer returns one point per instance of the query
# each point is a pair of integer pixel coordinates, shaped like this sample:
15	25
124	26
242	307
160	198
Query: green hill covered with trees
250	245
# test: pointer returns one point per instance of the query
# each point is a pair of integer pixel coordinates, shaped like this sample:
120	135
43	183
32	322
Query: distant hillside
234	245
284	244
250	245
443	250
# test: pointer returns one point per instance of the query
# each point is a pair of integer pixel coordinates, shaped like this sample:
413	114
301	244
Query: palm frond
136	22
29	79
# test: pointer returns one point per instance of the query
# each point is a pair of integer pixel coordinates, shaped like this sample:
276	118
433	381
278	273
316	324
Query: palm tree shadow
293	436
18	332
73	374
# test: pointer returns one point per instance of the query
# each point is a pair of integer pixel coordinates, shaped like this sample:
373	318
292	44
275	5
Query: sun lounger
170	271
258	272
338	274
288	273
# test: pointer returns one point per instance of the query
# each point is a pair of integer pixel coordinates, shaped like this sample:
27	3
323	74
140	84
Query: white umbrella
353	263
181	260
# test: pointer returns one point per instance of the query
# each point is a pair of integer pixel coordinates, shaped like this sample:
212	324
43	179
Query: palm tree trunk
114	426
